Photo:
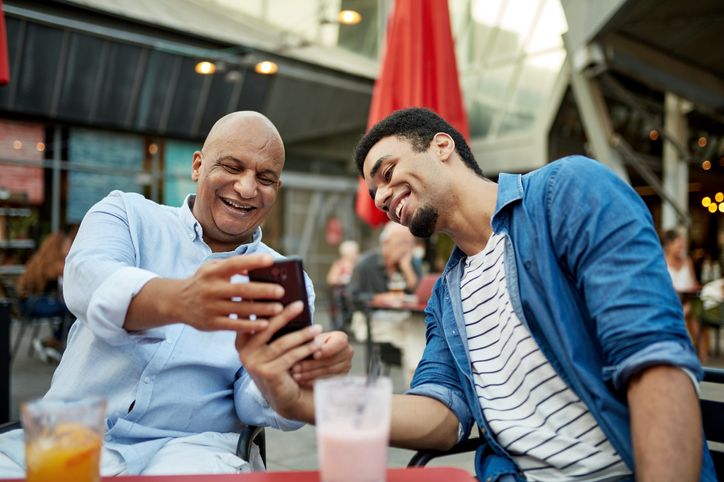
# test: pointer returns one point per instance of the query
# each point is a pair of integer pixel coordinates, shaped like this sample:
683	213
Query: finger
243	309
246	262
283	362
253	290
277	322
237	325
333	342
319	371
306	366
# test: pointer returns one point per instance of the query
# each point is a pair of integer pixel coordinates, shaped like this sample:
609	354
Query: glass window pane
534	85
487	99
102	150
515	27
549	28
178	183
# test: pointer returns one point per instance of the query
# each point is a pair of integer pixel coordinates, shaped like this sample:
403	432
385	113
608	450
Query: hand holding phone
288	273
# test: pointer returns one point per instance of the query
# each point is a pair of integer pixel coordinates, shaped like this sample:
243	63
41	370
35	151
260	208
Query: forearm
408	271
154	305
665	425
422	423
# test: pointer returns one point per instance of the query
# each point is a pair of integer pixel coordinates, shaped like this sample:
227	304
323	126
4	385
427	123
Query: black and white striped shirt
531	412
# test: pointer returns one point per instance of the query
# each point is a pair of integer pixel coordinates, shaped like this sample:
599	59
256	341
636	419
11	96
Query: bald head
245	123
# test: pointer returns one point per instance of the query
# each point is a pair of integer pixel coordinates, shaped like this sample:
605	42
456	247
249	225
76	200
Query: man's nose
382	199
245	185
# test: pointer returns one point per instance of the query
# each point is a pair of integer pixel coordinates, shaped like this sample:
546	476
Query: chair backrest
712	415
425	286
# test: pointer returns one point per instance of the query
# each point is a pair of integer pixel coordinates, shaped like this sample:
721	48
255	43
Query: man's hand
334	357
270	364
204	300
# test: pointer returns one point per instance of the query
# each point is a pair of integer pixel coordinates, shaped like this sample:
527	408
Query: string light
40	146
654	135
152	148
17	145
719	197
349	17
266	67
706	201
713	207
205	68
702	141
706	165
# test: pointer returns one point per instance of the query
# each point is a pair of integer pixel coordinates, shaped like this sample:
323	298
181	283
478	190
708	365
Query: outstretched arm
204	300
665	425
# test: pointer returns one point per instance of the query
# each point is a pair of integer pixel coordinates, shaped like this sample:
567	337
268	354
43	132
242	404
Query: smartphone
288	273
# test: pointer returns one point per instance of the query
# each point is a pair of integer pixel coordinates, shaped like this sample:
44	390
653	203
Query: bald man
150	286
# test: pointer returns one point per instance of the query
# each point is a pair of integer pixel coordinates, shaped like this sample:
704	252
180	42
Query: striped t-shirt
530	410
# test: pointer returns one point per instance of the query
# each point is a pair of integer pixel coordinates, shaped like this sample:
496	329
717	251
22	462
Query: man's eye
266	181
231	169
388	174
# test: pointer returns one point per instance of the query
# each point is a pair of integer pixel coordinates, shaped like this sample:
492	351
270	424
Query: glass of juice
352	416
63	439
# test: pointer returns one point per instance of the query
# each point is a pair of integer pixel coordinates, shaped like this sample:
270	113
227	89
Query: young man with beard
554	326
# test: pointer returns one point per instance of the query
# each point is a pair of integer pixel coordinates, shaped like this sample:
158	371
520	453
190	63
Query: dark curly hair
418	126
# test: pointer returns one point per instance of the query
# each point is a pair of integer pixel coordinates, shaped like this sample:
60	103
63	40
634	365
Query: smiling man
554	327
158	321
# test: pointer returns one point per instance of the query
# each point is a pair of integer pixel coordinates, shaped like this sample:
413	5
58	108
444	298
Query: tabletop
425	474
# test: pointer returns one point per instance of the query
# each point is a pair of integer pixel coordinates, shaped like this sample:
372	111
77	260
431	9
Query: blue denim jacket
587	277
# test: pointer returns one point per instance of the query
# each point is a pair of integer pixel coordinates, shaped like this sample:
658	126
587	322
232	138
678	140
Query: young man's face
401	182
238	181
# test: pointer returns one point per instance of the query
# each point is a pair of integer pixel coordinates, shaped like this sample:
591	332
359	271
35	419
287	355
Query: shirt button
146	380
191	235
108	438
169	340
483	431
489	479
521	473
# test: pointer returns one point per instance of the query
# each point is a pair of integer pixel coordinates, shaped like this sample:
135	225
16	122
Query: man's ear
196	166
443	146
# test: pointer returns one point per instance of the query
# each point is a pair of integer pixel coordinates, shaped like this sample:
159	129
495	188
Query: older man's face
238	180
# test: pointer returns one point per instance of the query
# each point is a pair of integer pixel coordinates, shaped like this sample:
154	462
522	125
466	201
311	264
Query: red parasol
418	70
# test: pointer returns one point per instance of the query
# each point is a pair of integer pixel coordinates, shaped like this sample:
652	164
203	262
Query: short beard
422	225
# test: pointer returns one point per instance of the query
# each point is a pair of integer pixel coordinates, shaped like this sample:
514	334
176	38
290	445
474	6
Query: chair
712	414
712	318
249	435
22	315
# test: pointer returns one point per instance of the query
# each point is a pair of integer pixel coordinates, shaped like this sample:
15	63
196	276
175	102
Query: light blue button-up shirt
162	383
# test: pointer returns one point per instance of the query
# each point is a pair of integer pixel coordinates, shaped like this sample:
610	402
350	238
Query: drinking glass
352	415
63	439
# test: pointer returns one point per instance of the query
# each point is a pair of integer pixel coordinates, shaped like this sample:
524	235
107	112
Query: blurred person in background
39	290
338	278
683	277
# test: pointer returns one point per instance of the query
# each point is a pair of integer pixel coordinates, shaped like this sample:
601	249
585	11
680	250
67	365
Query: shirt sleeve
253	409
610	249
100	277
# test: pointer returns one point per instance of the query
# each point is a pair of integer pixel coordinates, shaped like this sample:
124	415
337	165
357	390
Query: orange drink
63	439
71	454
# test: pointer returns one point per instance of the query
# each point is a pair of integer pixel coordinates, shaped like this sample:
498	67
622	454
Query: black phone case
288	273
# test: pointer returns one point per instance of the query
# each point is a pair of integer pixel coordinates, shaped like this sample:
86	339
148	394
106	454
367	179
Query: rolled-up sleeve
609	246
101	277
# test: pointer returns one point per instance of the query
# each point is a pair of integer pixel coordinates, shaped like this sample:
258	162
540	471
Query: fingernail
315	329
297	376
296	369
317	343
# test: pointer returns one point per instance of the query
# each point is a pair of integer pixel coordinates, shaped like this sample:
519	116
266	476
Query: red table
430	474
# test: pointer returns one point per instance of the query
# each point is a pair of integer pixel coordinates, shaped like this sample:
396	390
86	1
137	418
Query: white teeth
237	206
401	205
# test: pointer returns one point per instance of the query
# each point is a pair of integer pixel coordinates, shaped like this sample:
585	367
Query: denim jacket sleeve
436	375
607	244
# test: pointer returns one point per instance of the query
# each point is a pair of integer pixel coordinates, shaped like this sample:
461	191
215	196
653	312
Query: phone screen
288	273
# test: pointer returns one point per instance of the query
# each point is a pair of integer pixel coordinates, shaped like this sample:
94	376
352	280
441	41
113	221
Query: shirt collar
194	229
510	190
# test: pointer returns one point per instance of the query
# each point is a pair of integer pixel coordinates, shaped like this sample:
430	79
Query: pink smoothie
348	454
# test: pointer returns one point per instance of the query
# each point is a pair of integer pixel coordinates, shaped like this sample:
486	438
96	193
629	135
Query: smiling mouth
400	205
238	207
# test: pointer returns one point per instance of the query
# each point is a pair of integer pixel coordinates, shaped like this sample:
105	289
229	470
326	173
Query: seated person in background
157	323
386	273
338	278
554	327
340	273
41	277
681	270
